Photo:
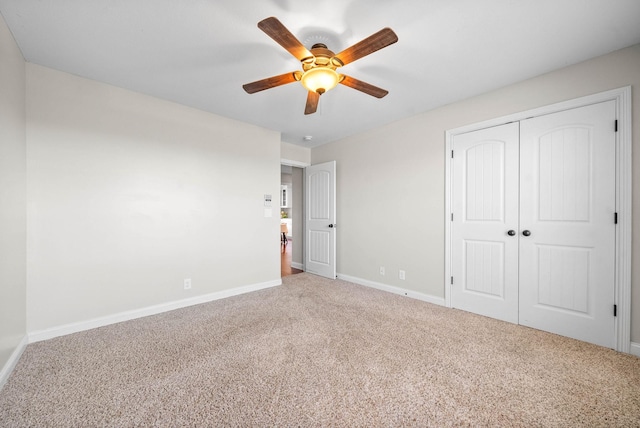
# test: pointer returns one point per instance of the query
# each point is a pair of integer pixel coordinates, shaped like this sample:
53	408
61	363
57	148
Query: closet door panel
485	207
567	206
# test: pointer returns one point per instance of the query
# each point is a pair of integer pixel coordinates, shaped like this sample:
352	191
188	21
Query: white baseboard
634	349
13	360
50	333
395	290
297	265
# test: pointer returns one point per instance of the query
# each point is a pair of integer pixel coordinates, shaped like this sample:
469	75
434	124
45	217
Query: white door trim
298	164
622	286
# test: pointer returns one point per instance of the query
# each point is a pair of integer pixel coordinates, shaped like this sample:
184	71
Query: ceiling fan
319	64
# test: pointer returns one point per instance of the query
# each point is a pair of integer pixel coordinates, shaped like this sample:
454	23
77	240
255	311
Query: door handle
526	233
511	233
331	225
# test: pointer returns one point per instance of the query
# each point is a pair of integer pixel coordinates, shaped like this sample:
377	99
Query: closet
532	233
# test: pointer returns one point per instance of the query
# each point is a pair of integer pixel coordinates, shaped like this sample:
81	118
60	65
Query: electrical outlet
401	274
382	270
187	283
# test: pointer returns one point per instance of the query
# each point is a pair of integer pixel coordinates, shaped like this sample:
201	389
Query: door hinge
452	280
615	218
451	216
615	310
451	154
615	126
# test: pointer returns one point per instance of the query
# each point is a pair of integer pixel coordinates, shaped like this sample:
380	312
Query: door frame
622	283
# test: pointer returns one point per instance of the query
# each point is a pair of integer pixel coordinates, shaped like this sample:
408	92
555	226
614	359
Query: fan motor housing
323	57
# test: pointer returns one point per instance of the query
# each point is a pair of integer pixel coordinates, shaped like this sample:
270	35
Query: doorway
291	200
313	203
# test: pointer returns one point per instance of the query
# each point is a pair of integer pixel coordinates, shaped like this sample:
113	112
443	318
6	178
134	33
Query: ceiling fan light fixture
320	79
319	63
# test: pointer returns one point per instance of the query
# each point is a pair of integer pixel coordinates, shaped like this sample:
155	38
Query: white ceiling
200	52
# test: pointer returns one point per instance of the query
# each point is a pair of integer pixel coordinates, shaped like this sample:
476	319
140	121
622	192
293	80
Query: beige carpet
315	352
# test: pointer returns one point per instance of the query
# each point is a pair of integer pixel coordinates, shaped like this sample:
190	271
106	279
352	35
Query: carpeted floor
315	352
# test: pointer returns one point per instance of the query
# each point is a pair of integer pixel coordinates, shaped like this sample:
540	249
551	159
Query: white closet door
485	209
567	230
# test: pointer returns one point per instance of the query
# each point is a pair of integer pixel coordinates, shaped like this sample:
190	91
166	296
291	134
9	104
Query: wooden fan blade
269	82
374	42
312	102
278	32
365	87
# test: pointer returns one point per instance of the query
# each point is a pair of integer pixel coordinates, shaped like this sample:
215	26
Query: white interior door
567	237
485	222
320	219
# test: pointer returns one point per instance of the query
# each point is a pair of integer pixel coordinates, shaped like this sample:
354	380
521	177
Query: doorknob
526	233
511	232
331	225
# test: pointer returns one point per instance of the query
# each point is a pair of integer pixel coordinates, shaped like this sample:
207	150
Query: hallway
285	260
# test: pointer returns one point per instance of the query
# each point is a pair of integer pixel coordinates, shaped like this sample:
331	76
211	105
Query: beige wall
128	195
390	181
291	152
12	196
